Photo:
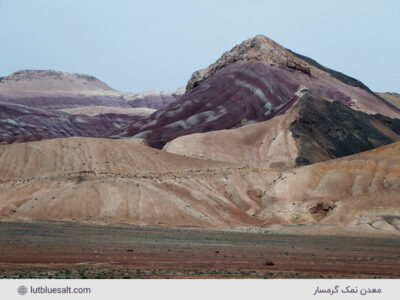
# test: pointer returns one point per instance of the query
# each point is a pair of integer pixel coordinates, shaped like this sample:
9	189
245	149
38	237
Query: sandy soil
66	250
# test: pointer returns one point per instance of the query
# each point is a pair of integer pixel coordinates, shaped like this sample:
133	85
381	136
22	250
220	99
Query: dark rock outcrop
326	130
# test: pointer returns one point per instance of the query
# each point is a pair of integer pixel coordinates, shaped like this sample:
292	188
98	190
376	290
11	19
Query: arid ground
68	250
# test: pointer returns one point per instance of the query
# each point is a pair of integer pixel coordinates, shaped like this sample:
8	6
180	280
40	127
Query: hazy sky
141	45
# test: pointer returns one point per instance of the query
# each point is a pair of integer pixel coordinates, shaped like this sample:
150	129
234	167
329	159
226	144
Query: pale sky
140	45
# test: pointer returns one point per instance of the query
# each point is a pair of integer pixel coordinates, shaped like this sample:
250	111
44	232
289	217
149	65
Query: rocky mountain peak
259	48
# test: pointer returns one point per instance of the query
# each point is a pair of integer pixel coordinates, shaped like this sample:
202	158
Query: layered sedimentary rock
20	123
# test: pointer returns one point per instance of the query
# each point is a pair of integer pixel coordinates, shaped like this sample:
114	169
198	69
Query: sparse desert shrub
80	179
268	263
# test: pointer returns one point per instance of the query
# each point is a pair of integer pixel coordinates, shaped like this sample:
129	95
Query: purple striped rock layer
19	123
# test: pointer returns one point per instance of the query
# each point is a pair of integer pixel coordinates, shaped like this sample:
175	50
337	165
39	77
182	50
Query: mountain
37	104
113	181
254	82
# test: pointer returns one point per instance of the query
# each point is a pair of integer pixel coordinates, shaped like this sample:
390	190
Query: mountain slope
312	130
115	181
110	181
361	190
